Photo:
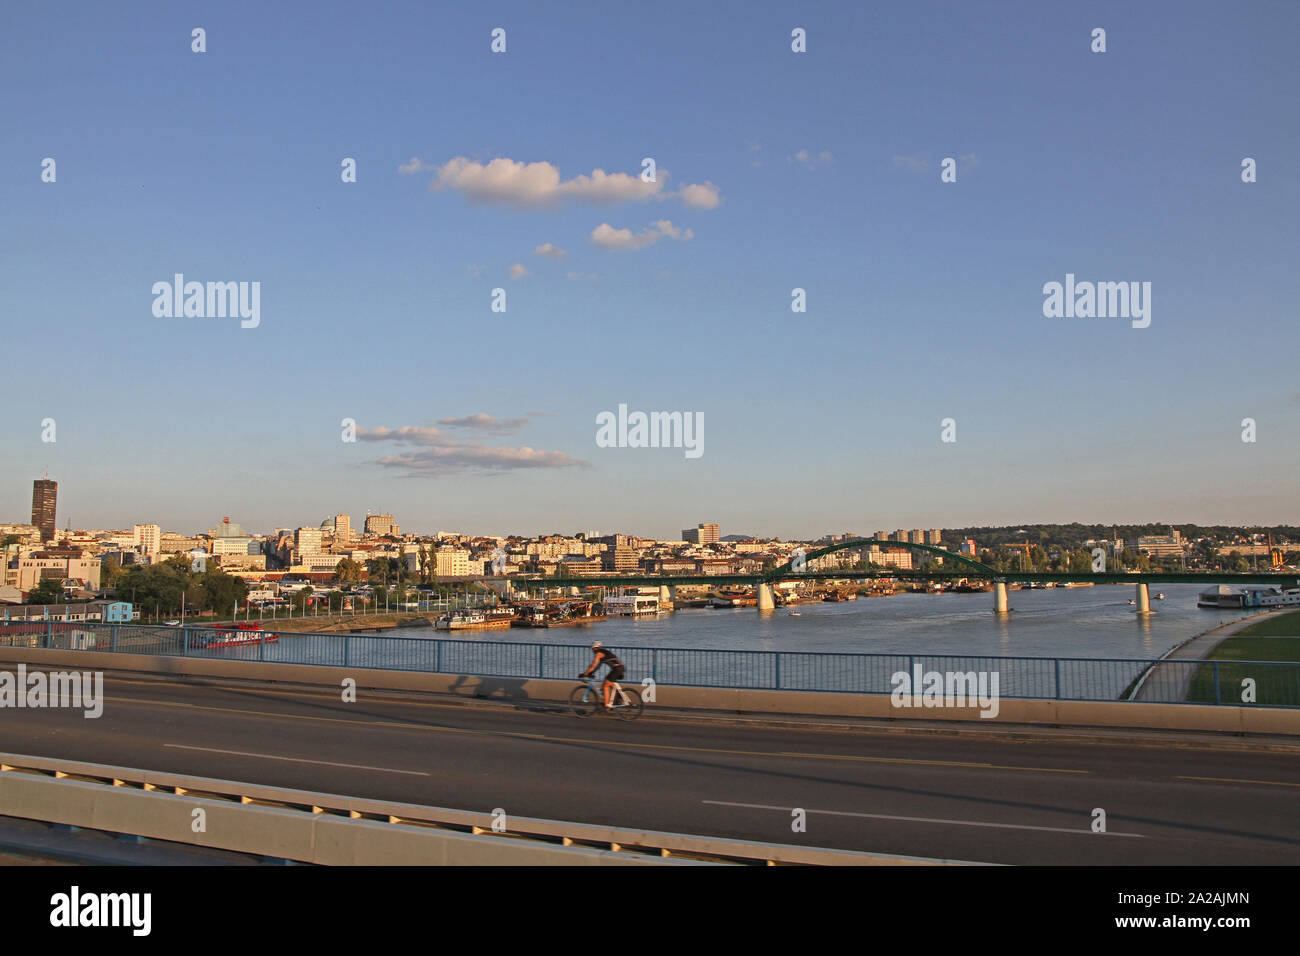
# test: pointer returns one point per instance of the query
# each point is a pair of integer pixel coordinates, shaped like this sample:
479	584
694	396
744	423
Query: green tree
110	572
221	591
347	571
47	591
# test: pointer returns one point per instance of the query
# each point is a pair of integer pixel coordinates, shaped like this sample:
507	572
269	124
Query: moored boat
245	632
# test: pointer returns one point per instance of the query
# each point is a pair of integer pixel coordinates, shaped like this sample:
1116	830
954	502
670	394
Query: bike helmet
596	645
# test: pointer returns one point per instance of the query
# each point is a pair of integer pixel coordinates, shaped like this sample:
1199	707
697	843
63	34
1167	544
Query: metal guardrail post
1057	679
778	671
347	649
116	628
437	666
541	661
654	664
261	648
1217	699
185	642
49	634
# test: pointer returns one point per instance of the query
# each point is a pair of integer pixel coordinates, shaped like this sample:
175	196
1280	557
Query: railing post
437	666
115	630
541	661
778	671
347	649
185	642
1216	683
654	664
261	648
49	634
1057	678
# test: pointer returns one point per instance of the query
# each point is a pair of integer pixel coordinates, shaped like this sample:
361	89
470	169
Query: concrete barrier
1124	714
335	830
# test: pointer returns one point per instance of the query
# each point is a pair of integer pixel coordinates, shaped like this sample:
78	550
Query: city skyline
719	532
924	299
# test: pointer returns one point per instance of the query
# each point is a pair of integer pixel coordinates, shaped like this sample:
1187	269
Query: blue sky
822	171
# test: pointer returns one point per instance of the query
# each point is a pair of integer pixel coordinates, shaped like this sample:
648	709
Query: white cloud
532	185
537	184
486	423
550	251
517	271
432	452
607	237
701	196
805	158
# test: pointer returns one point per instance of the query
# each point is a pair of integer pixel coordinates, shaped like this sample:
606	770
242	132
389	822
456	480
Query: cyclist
615	673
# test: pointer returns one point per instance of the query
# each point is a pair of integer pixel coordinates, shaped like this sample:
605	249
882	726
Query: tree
220	591
47	591
110	572
347	571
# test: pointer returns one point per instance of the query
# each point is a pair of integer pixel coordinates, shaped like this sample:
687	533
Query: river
1055	622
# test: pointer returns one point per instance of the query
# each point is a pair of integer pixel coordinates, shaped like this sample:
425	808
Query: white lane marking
960	823
327	763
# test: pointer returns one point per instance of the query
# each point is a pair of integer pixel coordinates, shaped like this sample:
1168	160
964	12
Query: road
970	796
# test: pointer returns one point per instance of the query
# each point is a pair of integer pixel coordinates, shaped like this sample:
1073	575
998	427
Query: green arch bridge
797	569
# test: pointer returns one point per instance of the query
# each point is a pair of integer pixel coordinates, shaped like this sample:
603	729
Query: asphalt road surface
974	796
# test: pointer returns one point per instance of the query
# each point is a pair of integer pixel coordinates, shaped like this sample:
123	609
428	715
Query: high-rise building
934	536
342	529
45	495
307	540
147	537
379	524
703	534
620	558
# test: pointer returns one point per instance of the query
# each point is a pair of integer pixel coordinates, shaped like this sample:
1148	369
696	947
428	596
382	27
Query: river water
1092	622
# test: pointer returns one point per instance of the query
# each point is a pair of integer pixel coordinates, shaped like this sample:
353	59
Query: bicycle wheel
583	701
632	707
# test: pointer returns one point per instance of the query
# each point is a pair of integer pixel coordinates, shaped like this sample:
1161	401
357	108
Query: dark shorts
615	673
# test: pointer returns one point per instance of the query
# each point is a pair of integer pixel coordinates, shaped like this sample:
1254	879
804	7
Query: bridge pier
1000	597
766	600
1144	598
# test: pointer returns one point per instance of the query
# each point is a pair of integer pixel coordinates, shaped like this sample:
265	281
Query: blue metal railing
1033	678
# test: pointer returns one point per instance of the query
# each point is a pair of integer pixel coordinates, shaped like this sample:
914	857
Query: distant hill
737	537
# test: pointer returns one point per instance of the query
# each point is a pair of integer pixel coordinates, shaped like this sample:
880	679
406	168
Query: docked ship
634	604
560	614
1224	596
733	599
243	633
475	619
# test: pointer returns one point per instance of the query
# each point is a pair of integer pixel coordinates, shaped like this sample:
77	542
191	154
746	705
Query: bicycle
588	698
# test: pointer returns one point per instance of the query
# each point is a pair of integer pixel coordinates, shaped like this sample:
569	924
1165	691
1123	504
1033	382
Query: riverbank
337	624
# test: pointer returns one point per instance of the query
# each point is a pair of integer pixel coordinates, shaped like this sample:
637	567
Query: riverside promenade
1163	678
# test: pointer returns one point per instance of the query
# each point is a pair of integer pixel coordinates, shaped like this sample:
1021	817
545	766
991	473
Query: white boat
474	619
632	605
1224	596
